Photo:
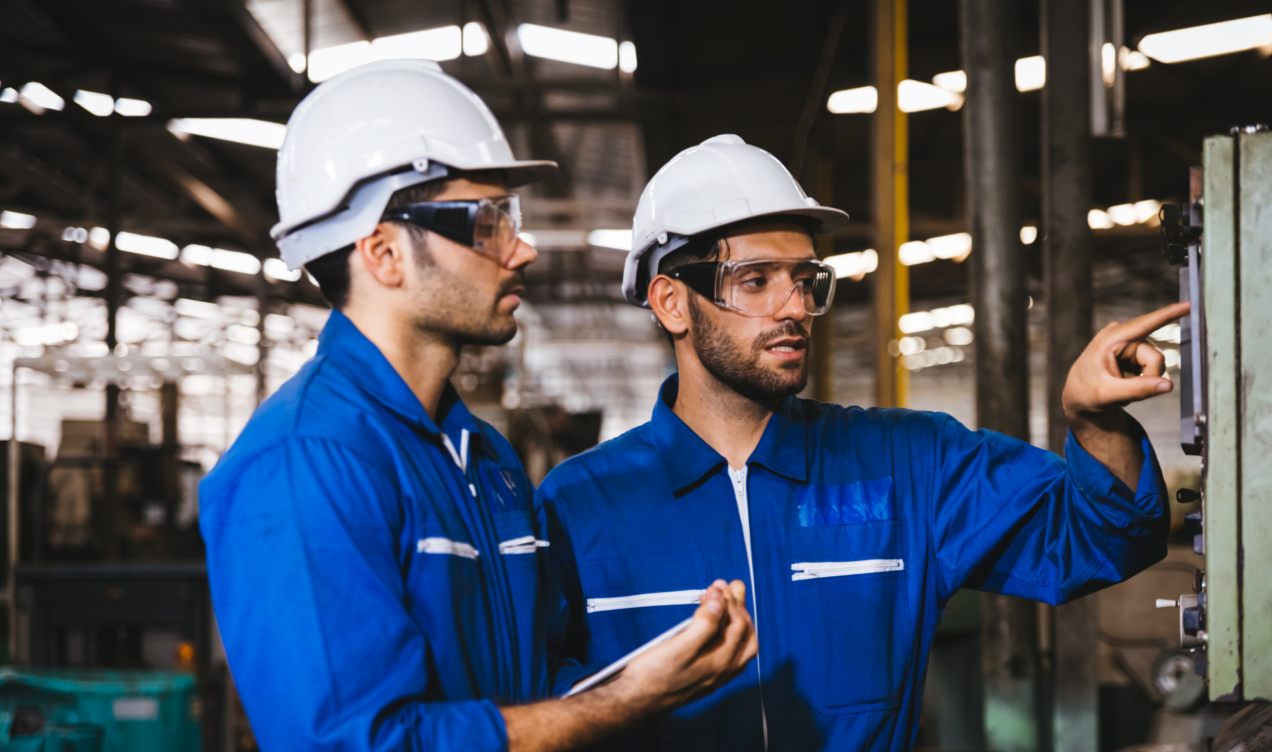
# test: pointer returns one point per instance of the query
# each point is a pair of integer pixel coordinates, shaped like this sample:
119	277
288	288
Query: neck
424	360
730	423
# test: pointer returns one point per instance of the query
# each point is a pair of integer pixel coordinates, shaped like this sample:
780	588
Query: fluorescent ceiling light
855	265
75	234
1209	40
445	43
37	98
97	103
916	96
864	99
16	220
1135	60
955	247
46	334
568	46
937	318
277	269
617	239
332	61
915	252
132	107
1028	234
146	245
627	57
475	42
1099	220
196	308
230	261
1031	73
241	130
1122	214
953	81
9	96
297	61
99	238
1146	212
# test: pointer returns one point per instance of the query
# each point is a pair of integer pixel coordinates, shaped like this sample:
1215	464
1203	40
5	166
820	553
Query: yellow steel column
891	201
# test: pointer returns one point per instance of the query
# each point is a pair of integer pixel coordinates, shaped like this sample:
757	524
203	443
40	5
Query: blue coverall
851	528
379	579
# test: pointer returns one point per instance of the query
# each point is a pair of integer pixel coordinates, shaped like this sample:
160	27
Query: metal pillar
1009	650
114	291
824	326
11	493
1066	243
891	200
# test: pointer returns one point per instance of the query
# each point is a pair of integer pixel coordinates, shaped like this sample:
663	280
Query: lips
787	348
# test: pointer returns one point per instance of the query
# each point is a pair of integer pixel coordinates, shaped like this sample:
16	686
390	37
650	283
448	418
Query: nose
792	309
523	254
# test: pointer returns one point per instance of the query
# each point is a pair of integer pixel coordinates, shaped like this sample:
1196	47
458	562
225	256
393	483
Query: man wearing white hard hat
852	528
377	563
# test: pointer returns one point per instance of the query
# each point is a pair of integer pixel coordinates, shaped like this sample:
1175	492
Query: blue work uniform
379	578
852	529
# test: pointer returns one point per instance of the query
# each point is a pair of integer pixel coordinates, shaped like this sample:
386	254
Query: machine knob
1167	603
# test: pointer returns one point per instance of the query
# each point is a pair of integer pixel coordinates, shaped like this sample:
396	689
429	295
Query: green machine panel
1230	620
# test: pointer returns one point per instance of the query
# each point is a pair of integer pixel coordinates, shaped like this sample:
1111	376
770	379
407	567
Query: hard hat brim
517	174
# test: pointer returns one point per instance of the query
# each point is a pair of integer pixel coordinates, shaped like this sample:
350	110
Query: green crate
88	710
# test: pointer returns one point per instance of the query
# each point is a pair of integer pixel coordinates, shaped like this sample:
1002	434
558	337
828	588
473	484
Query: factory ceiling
705	67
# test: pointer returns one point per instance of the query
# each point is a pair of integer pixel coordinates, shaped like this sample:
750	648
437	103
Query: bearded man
852	528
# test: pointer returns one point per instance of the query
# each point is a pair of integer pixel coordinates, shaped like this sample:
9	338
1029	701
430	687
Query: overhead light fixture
937	318
97	103
568	46
240	130
296	61
132	107
954	247
99	238
445	43
952	81
1210	40
617	239
37	98
475	42
217	258
46	334
916	96
1134	60
863	99
854	265
1031	73
9	96
1099	220
146	245
1028	234
915	252
198	309
627	57
277	269
16	220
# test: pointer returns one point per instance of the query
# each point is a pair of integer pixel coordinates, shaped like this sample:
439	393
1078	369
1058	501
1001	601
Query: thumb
1134	389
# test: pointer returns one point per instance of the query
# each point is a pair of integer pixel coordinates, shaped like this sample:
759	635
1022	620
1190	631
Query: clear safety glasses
761	287
488	226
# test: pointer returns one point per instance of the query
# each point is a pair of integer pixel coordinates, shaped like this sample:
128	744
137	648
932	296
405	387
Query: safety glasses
488	226
761	287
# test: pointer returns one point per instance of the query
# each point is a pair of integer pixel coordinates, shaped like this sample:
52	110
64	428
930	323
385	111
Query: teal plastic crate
83	710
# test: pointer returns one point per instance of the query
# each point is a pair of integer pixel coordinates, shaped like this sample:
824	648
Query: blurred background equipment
1004	164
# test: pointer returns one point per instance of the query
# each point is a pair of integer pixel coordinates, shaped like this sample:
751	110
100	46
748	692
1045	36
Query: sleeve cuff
1099	484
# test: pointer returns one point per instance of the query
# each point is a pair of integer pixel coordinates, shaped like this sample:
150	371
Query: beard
448	307
737	365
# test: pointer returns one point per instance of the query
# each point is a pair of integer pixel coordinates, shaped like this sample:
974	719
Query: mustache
518	279
788	329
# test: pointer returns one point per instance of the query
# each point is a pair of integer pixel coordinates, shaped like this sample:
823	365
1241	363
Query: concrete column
1066	247
1009	654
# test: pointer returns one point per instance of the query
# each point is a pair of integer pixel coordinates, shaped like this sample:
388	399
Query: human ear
669	302
383	254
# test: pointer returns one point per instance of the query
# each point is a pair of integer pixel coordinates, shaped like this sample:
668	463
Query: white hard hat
720	182
369	132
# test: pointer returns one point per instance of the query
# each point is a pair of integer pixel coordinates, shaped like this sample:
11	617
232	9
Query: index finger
1142	326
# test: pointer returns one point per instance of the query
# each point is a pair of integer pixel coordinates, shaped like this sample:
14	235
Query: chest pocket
631	601
519	554
848	585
